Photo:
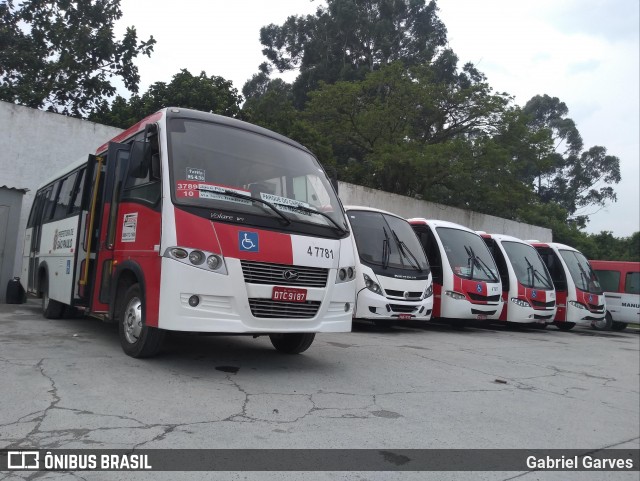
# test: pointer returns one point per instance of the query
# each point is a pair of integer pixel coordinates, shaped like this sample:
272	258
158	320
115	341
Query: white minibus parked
578	293
392	271
527	290
466	283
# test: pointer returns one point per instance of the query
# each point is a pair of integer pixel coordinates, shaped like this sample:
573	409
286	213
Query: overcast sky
585	52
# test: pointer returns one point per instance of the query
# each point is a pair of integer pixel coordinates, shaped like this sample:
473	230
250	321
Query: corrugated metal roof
23	189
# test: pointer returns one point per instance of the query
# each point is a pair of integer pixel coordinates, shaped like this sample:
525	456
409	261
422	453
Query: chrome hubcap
133	320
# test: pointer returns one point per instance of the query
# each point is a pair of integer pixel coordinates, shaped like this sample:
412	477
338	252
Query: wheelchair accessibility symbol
248	241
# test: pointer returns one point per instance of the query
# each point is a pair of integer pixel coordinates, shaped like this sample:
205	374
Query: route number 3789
320	252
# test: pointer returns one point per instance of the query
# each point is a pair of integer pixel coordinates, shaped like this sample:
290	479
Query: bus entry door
117	163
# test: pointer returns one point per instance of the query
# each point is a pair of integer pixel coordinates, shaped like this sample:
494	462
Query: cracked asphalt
67	384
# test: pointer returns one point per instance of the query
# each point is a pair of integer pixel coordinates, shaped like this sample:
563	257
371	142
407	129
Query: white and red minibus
578	293
527	290
393	278
190	221
620	282
466	284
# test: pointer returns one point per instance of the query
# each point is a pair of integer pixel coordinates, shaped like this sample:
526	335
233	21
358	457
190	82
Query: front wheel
603	324
137	339
566	326
292	343
618	326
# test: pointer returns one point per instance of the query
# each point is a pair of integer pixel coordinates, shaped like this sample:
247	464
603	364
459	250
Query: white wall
34	145
408	207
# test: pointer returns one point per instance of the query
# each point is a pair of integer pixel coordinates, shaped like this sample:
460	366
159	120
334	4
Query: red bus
190	221
620	282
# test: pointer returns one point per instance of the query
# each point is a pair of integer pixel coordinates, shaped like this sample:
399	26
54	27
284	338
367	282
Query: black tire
50	309
459	324
137	339
292	343
565	326
604	324
618	326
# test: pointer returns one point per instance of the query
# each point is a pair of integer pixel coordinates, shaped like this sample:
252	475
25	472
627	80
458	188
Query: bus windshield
468	255
230	169
581	272
528	266
387	240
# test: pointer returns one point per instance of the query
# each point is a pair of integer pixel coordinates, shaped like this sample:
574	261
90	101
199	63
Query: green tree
269	103
62	55
348	38
209	94
399	131
561	171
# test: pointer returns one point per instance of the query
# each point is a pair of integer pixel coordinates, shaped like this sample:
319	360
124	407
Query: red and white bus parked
527	290
620	282
392	273
191	221
578	293
466	284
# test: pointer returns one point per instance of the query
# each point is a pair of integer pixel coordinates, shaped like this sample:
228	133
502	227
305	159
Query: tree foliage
62	55
348	38
561	171
209	94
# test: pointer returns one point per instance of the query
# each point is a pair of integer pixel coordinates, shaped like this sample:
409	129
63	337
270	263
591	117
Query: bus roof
175	112
503	237
371	209
438	223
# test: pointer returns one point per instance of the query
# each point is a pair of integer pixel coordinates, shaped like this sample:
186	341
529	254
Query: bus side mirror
155	167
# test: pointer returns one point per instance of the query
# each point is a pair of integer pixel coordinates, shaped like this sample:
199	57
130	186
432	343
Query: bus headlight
196	258
455	295
577	304
178	253
520	302
372	286
345	274
428	292
213	262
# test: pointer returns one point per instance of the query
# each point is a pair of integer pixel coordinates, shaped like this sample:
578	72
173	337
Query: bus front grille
284	275
411	296
402	308
266	308
546	305
481	298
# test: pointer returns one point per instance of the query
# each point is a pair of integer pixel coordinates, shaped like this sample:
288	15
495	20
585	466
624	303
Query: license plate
288	294
404	317
481	316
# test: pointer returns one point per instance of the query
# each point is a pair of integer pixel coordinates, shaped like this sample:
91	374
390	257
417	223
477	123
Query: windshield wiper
231	193
402	247
385	249
535	274
474	259
313	211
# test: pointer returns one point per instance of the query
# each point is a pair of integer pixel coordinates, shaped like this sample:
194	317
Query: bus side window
609	280
430	246
501	262
63	199
139	184
555	269
50	202
76	194
632	283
